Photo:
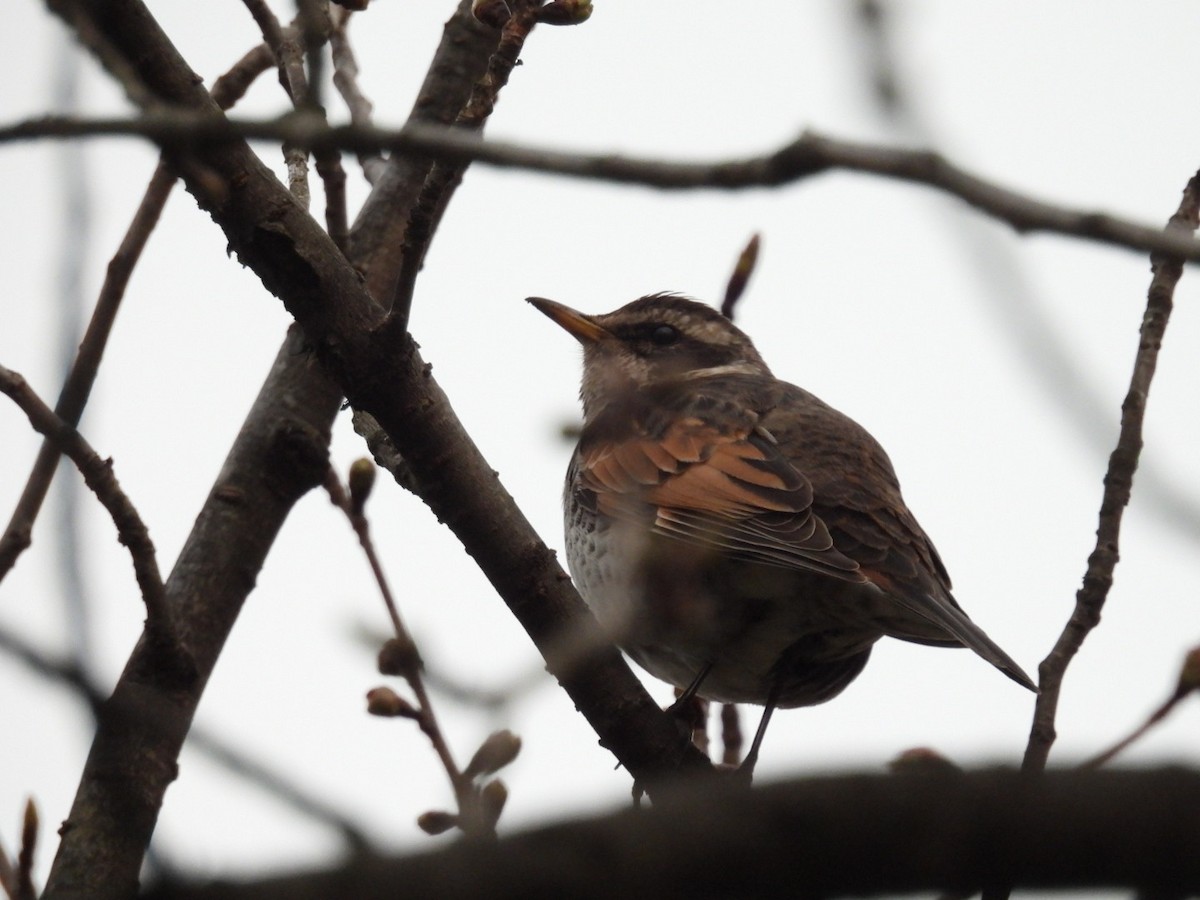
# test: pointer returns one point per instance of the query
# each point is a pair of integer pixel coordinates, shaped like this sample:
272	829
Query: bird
736	536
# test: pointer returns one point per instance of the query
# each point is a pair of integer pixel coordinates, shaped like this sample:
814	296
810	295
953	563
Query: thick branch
810	154
280	451
850	835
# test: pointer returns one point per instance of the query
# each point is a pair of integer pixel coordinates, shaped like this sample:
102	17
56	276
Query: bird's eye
664	335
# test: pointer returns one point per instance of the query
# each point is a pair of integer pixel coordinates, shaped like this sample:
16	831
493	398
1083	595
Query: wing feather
726	487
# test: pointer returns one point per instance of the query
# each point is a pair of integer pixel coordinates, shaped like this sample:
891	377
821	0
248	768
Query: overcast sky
991	366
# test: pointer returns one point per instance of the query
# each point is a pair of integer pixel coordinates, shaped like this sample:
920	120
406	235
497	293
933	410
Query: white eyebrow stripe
737	368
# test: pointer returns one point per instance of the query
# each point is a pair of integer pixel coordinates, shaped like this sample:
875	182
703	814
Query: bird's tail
959	628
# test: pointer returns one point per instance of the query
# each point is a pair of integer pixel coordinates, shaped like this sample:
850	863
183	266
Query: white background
894	303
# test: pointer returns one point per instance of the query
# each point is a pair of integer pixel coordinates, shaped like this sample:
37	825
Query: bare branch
98	475
1187	683
345	79
78	386
1118	483
409	666
227	90
260	775
445	176
280	453
809	155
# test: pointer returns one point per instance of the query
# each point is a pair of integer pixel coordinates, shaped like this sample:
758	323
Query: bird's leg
746	770
690	691
689	710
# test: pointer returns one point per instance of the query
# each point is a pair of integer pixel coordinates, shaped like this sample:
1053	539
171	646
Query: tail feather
961	630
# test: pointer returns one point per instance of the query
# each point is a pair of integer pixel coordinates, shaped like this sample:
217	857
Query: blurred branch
1118	483
345	79
264	777
1003	281
291	46
808	155
17	880
1187	683
849	835
76	390
74	240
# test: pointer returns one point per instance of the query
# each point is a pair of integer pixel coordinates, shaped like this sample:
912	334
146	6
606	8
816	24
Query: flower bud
362	479
491	12
436	821
492	798
565	12
383	701
922	761
399	656
500	748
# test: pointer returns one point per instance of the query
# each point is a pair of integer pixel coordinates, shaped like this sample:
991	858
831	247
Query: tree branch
77	388
808	155
98	474
257	774
850	835
1118	483
281	453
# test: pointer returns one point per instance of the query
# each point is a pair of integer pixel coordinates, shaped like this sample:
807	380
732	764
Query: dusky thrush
736	536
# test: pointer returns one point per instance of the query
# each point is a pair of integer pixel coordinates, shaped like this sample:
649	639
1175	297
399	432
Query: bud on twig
922	761
436	821
383	701
362	479
565	12
399	656
491	12
500	748
491	801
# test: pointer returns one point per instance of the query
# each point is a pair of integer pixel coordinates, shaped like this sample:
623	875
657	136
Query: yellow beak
585	329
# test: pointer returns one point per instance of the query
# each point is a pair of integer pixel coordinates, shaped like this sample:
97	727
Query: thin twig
98	475
291	46
1187	683
227	90
345	79
261	775
314	24
285	44
809	155
465	793
1000	273
445	176
78	386
1118	482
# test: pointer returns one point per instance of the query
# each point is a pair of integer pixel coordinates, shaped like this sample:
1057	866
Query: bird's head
655	340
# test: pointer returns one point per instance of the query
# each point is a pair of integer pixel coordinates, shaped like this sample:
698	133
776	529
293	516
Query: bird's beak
585	329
